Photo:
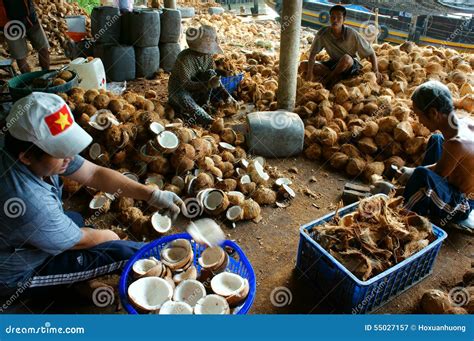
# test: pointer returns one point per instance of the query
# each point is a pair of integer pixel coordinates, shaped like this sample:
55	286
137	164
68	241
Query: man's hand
214	82
407	172
231	101
166	200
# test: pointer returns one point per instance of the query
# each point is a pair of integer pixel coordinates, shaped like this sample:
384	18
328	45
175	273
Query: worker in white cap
40	244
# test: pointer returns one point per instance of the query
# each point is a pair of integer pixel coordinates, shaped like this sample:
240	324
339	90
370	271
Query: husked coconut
149	293
251	209
339	160
264	196
414	145
367	145
235	198
160	165
328	152
435	302
340	92
395	160
327	137
350	150
355	166
387	124
370	108
371	129
403	131
203	181
373	168
383	139
227	185
257	173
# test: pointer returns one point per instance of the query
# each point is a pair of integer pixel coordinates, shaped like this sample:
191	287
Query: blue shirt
33	226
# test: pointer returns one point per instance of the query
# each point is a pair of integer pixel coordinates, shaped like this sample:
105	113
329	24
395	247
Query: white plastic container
91	74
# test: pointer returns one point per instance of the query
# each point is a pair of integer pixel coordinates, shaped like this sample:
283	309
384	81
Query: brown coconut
355	166
115	106
367	145
313	152
387	124
371	129
395	160
350	150
251	209
101	102
264	196
403	131
414	145
160	165
435	302
227	185
327	137
339	160
373	168
90	95
203	181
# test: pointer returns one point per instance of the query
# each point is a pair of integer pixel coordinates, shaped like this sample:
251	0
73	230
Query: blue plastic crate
240	266
348	293
231	83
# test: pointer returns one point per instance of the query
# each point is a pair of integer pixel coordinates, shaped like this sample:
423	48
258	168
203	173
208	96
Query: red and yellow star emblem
60	121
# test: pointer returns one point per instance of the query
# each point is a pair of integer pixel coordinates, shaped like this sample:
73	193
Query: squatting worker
194	78
342	44
443	188
19	22
39	242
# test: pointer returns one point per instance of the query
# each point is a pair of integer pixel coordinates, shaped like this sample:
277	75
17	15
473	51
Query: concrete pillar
289	53
412	33
170	4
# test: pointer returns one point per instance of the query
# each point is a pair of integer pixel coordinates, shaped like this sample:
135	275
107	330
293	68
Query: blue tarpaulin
352	7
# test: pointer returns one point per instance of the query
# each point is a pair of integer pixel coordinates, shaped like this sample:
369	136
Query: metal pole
289	53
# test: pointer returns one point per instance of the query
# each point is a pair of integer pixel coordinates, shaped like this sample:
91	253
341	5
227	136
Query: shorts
353	71
19	49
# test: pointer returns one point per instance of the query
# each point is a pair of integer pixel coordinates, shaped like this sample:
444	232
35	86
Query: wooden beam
289	53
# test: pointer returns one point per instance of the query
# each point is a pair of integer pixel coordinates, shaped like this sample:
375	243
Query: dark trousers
429	194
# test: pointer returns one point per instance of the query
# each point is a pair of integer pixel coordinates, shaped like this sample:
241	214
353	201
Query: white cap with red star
46	120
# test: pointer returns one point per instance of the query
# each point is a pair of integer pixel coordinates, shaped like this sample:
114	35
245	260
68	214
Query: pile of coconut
377	236
174	285
209	169
52	17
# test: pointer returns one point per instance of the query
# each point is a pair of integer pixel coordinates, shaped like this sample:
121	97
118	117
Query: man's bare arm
92	237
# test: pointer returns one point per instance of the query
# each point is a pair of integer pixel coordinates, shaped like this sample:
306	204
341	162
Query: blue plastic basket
231	83
240	266
348	293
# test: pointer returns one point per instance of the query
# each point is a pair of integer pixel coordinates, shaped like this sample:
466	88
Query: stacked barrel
135	44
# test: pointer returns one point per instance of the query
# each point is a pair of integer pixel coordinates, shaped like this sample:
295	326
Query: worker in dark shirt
21	23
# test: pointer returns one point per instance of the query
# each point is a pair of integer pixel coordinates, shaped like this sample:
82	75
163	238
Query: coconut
435	302
257	173
206	231
90	95
184	165
264	196
327	137
286	193
228	135
189	273
227	185
203	181
142	266
414	145
246	186
341	93
215	202
160	223
350	150
177	254
212	304
355	166
313	152
149	293
367	145
251	209
372	168
383	139
339	160
396	161
371	129
234	213
176	308
232	287
235	197
403	131
100	203
371	108
213	258
189	291
217	126
387	124
159	166
101	102
167	142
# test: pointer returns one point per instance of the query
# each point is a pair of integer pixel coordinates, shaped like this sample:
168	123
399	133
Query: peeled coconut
313	152
403	131
189	273
257	173
234	213
232	287
235	197
167	142
372	168
177	254
371	129
251	209
160	223
189	291
355	166
215	202
339	160
367	145
435	302
246	186
149	293
264	196
227	185
213	305
213	259
176	308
